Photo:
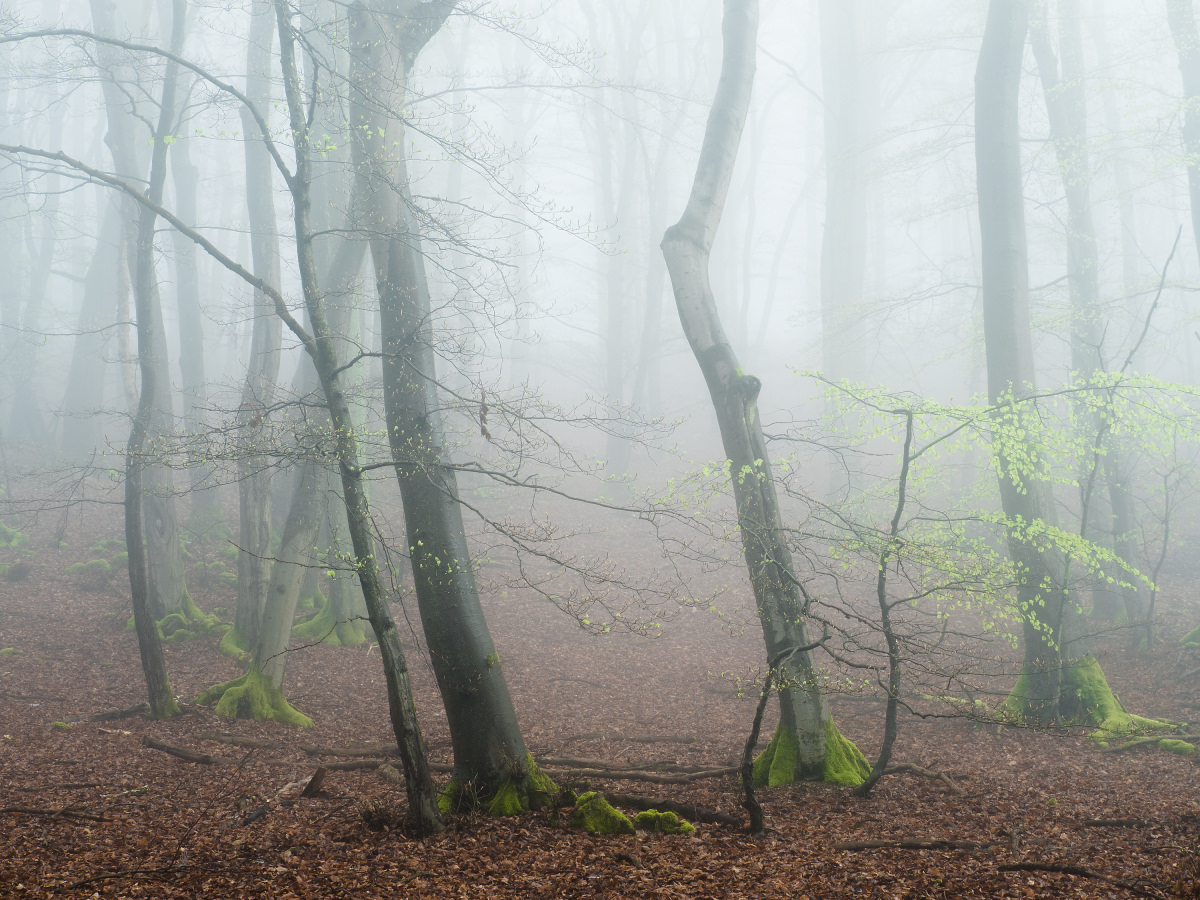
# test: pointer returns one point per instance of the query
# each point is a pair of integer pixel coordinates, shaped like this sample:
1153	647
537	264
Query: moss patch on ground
595	815
1173	746
662	823
252	696
1086	699
779	763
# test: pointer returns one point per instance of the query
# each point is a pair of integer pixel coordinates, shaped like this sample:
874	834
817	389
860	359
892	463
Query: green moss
662	823
234	643
1086	699
103	548
121	560
11	538
321	627
514	796
60	726
595	815
229	579
844	762
1181	747
94	574
779	763
252	696
8	651
1192	638
1122	616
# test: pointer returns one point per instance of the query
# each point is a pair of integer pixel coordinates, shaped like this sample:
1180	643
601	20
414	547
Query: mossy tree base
513	797
1192	638
326	628
234	644
1085	699
252	696
662	823
779	764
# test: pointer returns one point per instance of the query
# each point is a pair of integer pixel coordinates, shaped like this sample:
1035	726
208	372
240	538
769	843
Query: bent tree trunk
1059	681
807	743
491	762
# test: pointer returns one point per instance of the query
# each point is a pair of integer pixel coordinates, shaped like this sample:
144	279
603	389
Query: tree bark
490	755
1182	19
807	744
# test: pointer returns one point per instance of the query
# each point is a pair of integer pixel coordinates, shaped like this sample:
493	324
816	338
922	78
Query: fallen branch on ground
182	753
235	741
925	773
916	845
1081	871
1115	823
652	777
54	813
127	713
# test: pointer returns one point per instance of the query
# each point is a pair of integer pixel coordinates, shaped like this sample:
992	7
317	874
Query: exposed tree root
917	845
945	779
695	813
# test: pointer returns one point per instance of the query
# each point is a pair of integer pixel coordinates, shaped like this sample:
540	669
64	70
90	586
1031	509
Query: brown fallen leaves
94	810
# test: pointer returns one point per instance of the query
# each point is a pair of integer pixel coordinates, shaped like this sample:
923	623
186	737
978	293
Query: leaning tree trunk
490	759
807	743
1182	19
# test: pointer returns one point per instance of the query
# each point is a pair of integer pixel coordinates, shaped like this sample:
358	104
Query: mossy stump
252	696
779	764
662	823
595	815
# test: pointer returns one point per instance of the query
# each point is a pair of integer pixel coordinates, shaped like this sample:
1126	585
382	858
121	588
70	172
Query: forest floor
87	809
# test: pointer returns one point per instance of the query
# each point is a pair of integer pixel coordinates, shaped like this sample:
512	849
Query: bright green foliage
325	627
595	815
234	643
779	764
662	823
1181	747
1192	638
1084	688
253	696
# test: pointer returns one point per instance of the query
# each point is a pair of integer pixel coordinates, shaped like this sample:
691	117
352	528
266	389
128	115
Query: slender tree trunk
1182	19
807	743
490	756
262	370
146	298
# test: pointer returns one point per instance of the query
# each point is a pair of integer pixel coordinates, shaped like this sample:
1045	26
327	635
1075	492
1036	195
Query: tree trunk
490	759
262	371
1182	20
807	743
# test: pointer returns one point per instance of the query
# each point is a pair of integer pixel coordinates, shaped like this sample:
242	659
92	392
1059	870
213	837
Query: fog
865	328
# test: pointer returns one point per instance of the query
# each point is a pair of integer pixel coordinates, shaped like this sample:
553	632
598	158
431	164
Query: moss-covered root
234	643
513	797
1085	699
1192	638
595	815
662	823
184	625
326	628
779	763
252	696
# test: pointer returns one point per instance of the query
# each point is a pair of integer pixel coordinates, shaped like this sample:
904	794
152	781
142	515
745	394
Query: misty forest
578	448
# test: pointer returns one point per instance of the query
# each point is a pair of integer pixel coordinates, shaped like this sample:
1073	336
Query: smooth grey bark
138	466
844	243
489	751
205	501
1047	614
1066	105
262	370
687	247
84	395
1182	20
167	589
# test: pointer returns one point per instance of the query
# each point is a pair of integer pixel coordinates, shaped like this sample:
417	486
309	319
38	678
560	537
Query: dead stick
181	753
54	813
914	845
925	773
